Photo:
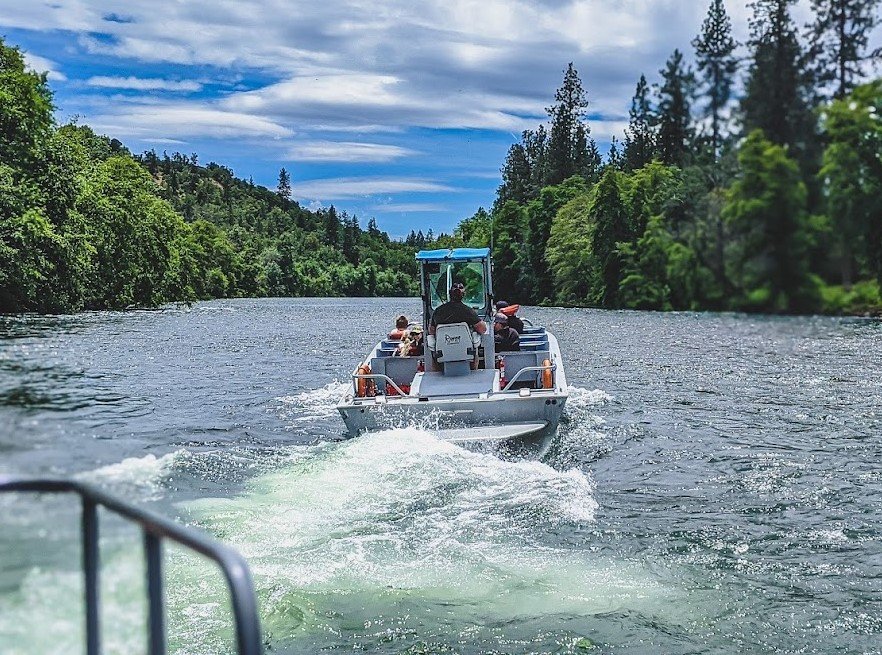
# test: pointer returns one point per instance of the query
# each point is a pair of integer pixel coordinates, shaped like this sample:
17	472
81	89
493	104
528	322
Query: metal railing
155	528
528	369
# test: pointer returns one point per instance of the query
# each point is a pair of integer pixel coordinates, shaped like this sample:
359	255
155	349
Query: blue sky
402	111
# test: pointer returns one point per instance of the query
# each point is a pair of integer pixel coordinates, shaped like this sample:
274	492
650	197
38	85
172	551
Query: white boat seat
453	343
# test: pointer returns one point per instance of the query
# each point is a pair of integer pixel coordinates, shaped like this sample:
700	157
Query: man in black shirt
456	311
507	339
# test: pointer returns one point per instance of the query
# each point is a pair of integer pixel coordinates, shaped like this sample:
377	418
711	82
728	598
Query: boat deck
433	383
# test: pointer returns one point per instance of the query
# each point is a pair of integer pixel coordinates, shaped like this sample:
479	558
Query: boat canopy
439	269
453	254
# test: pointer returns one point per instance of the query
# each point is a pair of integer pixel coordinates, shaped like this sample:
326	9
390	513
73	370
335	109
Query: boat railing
155	529
374	376
527	369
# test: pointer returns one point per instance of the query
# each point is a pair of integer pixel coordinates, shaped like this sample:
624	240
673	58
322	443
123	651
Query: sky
398	110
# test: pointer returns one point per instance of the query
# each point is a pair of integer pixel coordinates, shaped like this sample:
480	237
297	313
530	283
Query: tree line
85	225
766	200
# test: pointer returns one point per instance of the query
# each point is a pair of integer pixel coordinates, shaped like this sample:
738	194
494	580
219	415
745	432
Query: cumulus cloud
143	84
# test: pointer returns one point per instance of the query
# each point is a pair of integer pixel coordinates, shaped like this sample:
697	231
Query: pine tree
284	188
717	65
614	158
611	228
640	135
675	133
839	38
776	98
332	227
525	169
569	143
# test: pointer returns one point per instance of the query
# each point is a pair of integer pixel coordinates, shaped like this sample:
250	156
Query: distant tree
852	177
332	227
509	224
570	150
639	135
675	131
612	226
614	157
777	91
839	36
717	65
284	187
766	209
25	111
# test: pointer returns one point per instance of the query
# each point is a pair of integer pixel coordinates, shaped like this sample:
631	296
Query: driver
456	311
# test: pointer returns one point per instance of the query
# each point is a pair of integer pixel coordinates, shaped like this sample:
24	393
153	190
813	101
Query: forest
749	180
85	225
747	183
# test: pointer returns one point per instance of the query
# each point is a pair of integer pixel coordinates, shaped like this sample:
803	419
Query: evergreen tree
509	223
776	98
839	38
675	133
611	228
570	145
284	187
766	208
639	135
525	169
717	65
332	227
614	158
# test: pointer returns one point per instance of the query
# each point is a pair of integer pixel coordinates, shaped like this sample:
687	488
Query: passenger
400	330
511	311
412	343
507	339
456	311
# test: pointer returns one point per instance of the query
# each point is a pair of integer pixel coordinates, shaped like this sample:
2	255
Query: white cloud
408	207
356	187
346	151
143	84
43	65
181	121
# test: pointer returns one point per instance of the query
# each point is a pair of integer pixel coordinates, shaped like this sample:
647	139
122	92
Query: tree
284	187
525	169
717	65
535	277
766	208
570	145
25	111
675	133
611	228
839	38
614	157
852	178
776	98
640	134
509	224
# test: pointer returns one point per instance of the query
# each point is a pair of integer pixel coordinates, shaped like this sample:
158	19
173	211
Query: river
715	487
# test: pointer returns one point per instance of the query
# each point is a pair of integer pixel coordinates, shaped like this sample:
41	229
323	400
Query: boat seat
516	361
454	348
402	369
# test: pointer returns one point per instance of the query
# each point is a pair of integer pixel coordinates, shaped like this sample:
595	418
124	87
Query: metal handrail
553	367
371	376
155	528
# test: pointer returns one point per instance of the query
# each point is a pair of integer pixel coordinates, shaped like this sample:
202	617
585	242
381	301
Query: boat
459	386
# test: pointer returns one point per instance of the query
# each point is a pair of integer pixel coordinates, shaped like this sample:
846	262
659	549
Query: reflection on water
712	487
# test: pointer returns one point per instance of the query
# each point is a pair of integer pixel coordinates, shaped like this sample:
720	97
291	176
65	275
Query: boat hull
541	409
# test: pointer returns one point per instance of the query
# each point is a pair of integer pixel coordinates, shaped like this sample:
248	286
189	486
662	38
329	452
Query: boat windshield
439	276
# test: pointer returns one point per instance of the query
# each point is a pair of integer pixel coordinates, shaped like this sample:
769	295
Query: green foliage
766	209
675	136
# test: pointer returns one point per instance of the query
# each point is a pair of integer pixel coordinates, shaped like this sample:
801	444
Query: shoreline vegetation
769	202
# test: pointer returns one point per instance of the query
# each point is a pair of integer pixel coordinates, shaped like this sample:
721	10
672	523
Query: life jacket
397	334
511	310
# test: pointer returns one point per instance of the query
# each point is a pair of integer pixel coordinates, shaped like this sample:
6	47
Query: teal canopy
453	254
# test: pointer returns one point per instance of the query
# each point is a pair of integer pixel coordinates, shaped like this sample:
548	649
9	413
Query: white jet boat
463	389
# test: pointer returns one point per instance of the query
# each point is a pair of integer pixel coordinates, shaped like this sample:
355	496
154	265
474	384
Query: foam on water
401	512
312	404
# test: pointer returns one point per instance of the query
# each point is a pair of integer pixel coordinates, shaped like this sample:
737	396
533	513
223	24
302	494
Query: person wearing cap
507	338
456	311
511	311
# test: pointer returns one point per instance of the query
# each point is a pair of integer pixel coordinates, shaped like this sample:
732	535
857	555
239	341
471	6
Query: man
510	310
456	311
507	339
